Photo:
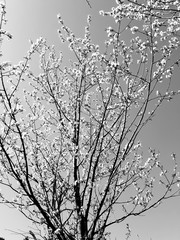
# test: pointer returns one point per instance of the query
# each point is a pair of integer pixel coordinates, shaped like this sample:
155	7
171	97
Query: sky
30	19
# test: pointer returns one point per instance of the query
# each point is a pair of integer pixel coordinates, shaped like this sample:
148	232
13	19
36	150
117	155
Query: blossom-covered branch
70	148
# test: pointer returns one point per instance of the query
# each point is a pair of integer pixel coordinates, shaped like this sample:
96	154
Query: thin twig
88	3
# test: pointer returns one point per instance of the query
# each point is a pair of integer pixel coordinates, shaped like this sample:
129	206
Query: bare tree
69	144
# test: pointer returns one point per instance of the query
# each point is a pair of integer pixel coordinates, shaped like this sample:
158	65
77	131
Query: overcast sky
30	19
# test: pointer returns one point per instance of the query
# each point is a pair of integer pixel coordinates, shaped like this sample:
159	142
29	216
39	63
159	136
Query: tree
70	151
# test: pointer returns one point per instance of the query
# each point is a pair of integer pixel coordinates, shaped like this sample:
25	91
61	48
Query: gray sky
30	19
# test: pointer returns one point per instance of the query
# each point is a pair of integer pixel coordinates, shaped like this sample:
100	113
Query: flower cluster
70	140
